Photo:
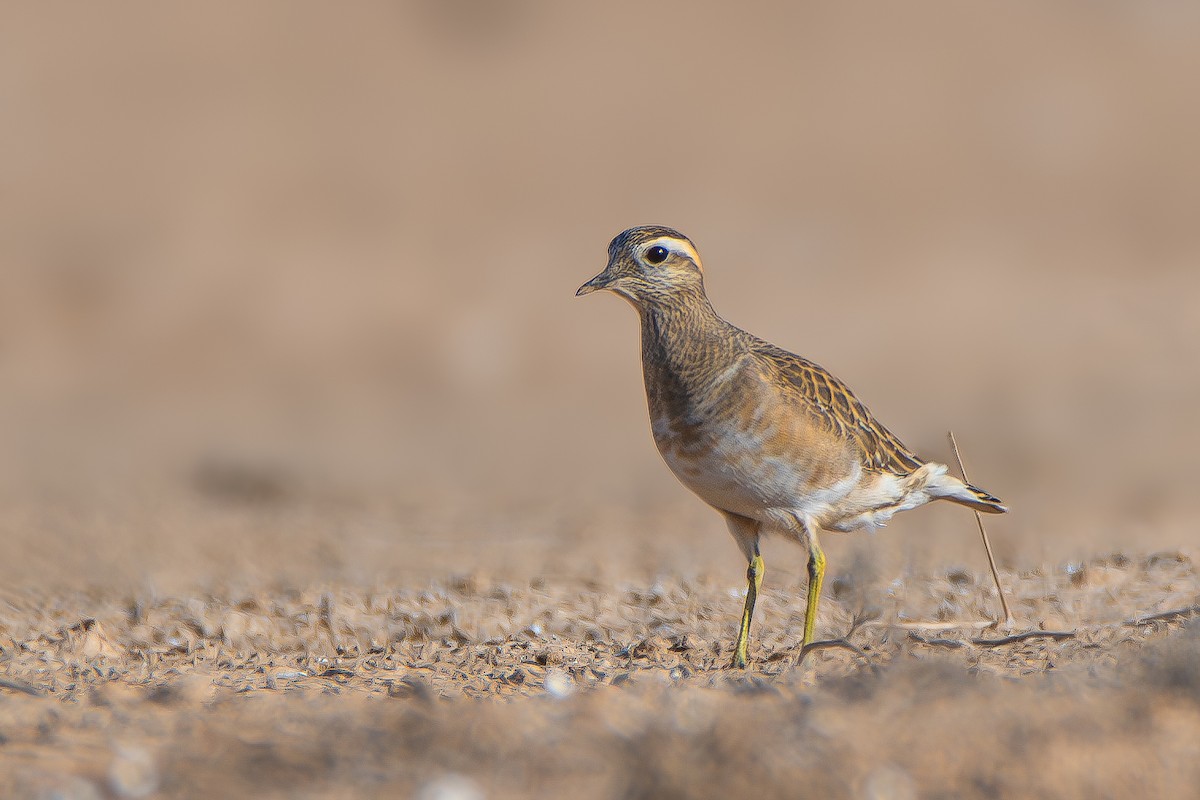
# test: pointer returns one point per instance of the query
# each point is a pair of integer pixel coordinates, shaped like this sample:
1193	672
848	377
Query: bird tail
956	491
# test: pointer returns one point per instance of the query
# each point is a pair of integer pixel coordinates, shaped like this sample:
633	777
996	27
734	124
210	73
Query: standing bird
769	439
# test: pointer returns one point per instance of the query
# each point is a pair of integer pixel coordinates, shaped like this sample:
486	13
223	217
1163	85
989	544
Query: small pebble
559	683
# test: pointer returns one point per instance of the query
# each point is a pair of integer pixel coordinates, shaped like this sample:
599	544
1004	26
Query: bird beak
597	283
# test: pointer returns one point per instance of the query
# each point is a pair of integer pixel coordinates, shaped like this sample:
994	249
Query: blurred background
286	289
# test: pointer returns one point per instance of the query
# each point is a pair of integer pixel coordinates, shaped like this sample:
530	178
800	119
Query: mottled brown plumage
771	440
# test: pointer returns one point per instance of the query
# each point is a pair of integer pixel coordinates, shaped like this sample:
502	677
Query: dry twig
1020	637
19	686
987	545
1164	616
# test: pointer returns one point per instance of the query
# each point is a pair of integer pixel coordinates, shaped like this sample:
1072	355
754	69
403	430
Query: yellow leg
816	576
754	578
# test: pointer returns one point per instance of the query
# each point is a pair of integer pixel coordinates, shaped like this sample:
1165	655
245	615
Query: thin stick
1020	637
987	545
1164	616
19	686
936	626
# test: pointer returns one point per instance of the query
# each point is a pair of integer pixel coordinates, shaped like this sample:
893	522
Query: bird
771	440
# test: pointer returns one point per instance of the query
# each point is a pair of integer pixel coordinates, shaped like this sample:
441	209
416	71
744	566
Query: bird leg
754	579
816	576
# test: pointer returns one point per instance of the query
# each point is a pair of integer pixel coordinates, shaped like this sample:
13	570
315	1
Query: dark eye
656	255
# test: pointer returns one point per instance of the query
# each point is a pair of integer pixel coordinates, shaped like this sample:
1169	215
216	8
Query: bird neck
685	348
682	315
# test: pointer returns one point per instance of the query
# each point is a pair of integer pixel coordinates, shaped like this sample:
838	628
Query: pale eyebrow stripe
671	243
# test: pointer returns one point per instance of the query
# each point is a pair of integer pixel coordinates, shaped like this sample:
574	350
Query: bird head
650	264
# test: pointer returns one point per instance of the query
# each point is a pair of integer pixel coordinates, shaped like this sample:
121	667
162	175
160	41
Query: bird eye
656	255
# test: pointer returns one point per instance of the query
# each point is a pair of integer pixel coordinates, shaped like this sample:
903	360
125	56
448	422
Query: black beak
597	283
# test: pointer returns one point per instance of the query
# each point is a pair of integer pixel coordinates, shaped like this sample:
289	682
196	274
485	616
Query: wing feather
832	404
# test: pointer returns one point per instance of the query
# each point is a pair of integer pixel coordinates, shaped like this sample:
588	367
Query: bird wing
833	405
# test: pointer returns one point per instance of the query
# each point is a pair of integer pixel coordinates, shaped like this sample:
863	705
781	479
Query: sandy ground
317	481
469	688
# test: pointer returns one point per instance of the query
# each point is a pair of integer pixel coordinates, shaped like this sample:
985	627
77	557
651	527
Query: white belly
730	472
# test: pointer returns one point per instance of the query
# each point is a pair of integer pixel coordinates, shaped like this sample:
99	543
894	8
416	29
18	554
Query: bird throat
686	349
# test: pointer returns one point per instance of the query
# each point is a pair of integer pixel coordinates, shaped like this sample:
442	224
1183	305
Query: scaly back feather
834	406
